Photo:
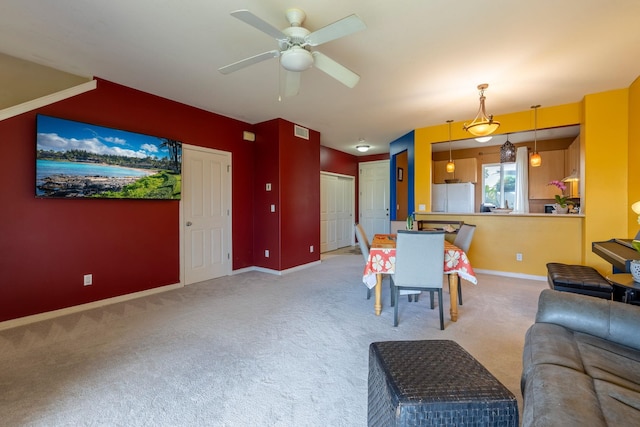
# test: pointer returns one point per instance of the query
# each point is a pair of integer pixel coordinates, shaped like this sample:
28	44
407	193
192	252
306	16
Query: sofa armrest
610	320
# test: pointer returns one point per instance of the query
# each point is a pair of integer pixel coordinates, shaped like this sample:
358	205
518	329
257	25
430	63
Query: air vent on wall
301	132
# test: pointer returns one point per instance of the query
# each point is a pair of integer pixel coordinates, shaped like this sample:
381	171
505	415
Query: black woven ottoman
434	383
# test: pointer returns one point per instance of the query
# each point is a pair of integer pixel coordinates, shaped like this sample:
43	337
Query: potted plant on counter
562	201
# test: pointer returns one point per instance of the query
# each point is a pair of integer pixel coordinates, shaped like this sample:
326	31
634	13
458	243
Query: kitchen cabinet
552	168
573	167
466	170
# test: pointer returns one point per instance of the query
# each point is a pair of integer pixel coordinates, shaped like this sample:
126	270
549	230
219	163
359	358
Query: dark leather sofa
581	363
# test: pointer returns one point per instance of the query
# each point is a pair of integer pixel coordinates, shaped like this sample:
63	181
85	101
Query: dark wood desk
625	288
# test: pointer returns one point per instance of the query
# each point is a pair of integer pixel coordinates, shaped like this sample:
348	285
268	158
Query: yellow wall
634	155
540	239
610	151
561	115
605	132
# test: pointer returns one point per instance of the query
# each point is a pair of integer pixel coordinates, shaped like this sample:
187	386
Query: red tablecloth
382	259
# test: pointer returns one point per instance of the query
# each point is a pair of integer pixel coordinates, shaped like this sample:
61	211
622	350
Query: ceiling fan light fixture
296	59
482	125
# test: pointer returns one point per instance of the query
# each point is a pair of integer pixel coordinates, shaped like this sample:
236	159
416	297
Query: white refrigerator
453	198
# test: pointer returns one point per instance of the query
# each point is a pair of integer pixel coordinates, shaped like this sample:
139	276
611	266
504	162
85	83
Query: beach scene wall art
80	160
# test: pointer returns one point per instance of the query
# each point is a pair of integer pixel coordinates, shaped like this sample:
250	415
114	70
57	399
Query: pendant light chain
451	166
535	160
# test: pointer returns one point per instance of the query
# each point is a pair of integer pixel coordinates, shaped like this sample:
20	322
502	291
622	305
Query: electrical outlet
311	248
88	279
268	186
273	208
266	253
518	256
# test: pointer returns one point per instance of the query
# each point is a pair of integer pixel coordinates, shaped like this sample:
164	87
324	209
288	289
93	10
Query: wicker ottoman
434	383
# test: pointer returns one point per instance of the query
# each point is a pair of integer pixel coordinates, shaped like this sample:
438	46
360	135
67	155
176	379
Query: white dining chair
365	246
463	241
419	266
363	241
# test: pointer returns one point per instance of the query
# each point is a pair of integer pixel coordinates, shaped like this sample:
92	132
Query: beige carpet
248	350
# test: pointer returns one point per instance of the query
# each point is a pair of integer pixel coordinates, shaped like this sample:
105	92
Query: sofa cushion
610	362
619	405
558	396
550	344
613	321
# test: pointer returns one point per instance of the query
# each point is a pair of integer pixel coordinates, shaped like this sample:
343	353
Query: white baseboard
21	321
277	272
510	274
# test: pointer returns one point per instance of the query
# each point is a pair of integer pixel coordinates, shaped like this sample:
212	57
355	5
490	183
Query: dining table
382	260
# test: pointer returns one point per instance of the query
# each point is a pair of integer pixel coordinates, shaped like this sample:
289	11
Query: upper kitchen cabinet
552	168
573	168
466	170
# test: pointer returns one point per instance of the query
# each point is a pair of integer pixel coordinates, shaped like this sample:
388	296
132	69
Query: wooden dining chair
419	266
463	241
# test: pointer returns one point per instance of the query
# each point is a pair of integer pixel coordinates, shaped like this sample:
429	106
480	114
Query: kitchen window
499	184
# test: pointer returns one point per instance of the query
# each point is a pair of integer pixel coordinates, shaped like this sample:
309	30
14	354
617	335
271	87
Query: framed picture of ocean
80	160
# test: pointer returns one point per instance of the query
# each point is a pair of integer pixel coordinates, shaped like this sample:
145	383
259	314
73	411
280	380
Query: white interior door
206	213
345	207
337	193
328	216
374	190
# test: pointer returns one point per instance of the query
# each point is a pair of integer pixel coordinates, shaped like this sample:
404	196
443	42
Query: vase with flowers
562	201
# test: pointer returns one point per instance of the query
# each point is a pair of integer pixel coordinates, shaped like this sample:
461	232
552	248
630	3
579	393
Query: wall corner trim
43	101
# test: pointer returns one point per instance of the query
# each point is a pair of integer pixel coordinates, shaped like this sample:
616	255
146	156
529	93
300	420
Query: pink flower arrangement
560	199
558	184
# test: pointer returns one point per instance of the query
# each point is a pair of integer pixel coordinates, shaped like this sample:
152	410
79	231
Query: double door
336	211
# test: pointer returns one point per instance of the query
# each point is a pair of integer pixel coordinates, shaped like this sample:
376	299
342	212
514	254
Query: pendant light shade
535	159
507	152
482	125
451	167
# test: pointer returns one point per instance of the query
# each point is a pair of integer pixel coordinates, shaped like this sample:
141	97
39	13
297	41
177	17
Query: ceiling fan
294	47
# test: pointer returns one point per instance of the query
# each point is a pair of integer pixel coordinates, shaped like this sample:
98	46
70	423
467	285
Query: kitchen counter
501	214
501	239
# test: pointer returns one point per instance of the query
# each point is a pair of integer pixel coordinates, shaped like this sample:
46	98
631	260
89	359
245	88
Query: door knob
189	223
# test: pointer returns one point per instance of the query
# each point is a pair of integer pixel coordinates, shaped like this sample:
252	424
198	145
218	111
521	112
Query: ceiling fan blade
260	24
340	28
291	83
335	70
249	61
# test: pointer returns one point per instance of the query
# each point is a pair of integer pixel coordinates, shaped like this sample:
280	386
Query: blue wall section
404	143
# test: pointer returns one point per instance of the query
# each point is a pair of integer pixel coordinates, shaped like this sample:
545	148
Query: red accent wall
47	245
292	166
339	162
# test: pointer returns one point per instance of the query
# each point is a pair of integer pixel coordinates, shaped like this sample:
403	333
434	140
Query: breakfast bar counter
538	238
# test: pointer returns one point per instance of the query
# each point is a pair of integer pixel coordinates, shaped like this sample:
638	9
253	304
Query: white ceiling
419	60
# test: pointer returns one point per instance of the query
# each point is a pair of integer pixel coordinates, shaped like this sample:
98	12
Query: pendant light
507	152
482	125
535	160
451	167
